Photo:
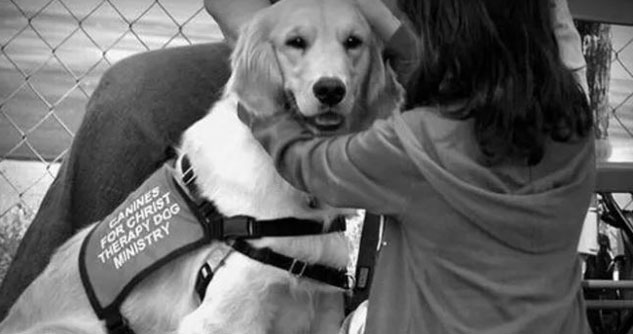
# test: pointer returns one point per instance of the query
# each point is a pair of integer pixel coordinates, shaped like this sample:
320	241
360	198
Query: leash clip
297	264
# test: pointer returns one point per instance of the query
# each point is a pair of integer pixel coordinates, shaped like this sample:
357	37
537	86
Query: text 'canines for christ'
141	223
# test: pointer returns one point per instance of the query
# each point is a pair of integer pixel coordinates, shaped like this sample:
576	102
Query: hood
528	208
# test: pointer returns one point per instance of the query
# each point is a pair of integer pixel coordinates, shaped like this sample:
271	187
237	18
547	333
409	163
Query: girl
486	176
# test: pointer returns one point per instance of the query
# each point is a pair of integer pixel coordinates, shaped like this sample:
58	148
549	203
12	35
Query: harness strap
205	275
214	261
116	324
241	226
221	227
329	275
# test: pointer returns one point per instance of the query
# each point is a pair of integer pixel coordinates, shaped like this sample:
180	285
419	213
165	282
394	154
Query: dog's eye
352	42
296	42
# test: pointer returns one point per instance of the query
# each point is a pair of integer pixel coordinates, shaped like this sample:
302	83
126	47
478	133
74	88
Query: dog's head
320	56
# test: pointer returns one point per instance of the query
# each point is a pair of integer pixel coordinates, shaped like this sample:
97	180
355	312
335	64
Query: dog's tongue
329	119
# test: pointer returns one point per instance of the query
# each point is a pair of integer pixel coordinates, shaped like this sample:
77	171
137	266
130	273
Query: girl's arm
367	170
401	44
380	17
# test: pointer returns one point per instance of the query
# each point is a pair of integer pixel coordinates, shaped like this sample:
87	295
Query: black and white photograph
316	167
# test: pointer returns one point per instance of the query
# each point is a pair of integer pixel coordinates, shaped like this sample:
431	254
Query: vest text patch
152	226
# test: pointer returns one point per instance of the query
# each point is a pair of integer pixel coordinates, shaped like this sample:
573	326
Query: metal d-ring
292	268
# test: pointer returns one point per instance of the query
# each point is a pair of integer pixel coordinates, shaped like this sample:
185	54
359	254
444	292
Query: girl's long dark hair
500	58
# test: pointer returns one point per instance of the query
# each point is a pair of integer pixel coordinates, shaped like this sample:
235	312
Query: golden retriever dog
320	56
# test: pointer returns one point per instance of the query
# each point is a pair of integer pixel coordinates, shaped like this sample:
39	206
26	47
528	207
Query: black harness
234	230
239	228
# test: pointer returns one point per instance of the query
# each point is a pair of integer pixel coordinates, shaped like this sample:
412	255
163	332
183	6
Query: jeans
133	119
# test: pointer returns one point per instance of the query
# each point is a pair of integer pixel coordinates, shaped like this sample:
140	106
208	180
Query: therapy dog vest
159	222
152	226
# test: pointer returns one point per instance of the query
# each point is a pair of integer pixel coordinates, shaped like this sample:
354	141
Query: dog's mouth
326	122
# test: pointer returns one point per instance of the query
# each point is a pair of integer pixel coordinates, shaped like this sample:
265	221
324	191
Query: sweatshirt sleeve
369	169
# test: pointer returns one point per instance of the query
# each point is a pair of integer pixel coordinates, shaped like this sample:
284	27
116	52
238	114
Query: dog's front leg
329	313
241	313
235	301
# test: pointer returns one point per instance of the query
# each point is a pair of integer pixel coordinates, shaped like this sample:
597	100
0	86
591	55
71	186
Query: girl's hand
369	6
380	17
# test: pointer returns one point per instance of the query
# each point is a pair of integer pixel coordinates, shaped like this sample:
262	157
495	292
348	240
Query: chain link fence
620	129
53	52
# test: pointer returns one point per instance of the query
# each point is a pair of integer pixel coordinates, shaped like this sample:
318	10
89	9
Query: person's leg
138	111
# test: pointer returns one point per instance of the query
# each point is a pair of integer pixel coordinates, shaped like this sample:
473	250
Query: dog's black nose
329	91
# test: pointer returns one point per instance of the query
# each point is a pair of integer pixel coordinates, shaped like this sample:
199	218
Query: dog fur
234	172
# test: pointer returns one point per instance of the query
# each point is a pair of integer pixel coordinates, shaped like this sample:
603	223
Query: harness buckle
215	228
297	264
241	227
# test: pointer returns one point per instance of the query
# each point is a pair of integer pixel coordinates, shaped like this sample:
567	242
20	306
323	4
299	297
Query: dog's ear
256	77
385	95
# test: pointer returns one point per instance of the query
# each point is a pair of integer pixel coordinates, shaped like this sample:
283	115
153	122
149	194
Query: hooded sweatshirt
468	248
